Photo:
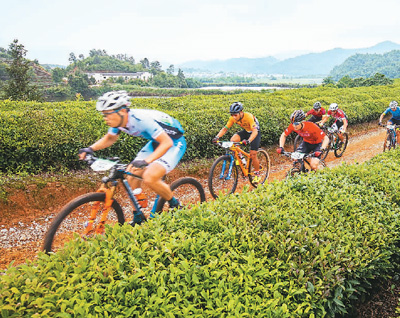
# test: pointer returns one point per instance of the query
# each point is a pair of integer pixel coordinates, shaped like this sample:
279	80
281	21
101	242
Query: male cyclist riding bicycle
394	110
340	117
314	139
159	156
249	135
317	112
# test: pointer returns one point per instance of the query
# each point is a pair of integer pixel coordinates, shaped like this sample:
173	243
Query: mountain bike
88	214
301	162
335	143
223	176
391	136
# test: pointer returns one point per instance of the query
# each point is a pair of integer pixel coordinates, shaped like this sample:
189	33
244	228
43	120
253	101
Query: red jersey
311	133
314	113
339	115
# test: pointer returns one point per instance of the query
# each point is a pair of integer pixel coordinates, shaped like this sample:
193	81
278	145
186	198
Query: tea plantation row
304	247
46	136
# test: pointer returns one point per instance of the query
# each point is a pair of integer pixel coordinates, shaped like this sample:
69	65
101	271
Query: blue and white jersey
149	124
395	113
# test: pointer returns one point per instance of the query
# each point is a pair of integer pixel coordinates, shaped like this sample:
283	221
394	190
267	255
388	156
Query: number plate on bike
226	144
297	155
391	126
102	165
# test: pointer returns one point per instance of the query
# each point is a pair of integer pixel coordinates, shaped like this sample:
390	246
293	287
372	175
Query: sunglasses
296	123
233	114
109	113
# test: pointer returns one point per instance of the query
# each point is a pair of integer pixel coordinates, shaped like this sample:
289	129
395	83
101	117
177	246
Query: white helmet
333	106
112	100
393	104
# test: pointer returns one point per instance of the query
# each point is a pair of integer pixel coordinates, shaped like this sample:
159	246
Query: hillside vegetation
41	136
257	254
366	65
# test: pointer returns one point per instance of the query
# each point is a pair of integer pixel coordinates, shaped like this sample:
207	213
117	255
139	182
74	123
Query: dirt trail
21	241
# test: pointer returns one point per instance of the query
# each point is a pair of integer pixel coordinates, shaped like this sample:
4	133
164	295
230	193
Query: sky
177	31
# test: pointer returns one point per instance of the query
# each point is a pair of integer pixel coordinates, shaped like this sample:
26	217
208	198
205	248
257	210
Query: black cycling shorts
255	144
306	147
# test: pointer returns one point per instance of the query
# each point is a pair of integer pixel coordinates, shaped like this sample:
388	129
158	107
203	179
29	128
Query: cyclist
316	113
249	135
394	110
314	139
159	156
340	117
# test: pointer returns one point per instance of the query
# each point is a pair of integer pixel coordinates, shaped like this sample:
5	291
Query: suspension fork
231	163
109	193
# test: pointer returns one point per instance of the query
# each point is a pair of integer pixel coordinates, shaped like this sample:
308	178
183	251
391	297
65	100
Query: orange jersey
311	133
248	122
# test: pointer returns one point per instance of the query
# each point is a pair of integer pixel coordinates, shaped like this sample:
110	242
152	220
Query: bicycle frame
117	172
232	147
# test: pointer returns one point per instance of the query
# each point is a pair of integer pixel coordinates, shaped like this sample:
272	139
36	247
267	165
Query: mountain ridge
303	65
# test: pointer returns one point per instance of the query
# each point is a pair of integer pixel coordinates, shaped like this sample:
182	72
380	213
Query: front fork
231	163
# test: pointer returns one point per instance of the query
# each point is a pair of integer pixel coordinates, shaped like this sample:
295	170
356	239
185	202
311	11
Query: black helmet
297	116
317	106
236	107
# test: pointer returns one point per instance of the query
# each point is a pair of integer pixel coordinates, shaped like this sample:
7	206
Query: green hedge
305	247
37	136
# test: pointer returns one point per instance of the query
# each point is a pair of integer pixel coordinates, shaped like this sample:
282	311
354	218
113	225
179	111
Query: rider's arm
325	142
282	140
106	141
222	132
324	119
165	142
383	115
345	123
254	133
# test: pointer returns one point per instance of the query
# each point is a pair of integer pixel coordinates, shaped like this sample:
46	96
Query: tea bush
304	247
36	136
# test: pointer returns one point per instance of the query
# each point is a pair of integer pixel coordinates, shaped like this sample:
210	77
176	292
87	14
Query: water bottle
141	197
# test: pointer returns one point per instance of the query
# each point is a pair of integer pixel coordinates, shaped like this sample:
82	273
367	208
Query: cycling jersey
248	122
310	132
149	124
315	114
339	115
395	113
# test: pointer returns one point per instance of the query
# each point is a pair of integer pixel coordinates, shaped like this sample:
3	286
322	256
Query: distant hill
366	65
236	65
302	65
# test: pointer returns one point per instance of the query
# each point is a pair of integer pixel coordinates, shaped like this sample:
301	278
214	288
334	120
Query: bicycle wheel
293	172
387	145
326	152
341	145
187	190
219	179
297	141
72	218
265	166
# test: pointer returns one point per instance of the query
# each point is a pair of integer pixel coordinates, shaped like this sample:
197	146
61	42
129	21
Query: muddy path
22	234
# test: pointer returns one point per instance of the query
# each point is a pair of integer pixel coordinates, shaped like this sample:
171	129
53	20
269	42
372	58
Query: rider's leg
254	159
235	138
314	163
152	177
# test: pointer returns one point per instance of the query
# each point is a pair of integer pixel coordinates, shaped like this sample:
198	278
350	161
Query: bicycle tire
187	190
387	143
293	172
216	184
328	148
339	151
265	167
72	216
297	141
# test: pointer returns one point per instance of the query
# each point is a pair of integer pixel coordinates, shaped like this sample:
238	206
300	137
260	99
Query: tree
145	63
328	80
171	69
72	57
57	74
18	86
181	79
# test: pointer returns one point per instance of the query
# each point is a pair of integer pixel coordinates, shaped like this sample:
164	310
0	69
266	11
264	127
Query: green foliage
258	254
37	136
18	86
346	81
366	65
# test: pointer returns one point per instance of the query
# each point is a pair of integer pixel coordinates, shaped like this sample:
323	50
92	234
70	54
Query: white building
100	77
